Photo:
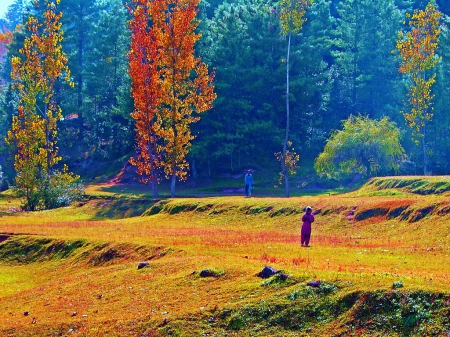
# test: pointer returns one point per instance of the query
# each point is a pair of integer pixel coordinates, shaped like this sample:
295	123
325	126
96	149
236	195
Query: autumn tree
146	91
34	129
417	48
292	17
186	86
169	85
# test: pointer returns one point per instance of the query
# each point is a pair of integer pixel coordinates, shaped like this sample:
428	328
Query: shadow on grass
122	208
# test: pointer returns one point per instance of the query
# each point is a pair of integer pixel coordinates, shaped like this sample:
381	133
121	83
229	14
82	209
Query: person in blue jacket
248	184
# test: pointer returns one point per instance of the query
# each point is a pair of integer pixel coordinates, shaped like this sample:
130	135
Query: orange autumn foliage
170	84
143	62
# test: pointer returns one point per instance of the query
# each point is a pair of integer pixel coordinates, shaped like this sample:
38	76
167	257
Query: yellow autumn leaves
417	49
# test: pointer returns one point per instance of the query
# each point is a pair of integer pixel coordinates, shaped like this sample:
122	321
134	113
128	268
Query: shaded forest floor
381	254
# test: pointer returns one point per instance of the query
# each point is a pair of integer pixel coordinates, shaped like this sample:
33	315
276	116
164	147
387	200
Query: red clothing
307	219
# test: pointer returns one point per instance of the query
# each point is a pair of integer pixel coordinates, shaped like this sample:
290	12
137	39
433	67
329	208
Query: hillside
381	257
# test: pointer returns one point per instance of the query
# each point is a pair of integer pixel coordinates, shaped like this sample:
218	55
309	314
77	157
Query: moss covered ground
381	254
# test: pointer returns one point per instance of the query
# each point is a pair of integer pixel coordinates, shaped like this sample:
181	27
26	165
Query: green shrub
63	189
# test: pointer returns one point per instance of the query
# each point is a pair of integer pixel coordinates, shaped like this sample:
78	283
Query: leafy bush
397	284
364	146
63	189
58	189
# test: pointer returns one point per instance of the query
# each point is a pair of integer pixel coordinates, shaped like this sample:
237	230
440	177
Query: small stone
142	265
26	313
206	273
314	284
267	272
284	277
74	314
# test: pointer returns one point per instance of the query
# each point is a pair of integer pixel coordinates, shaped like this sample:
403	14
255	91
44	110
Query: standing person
307	219
248	184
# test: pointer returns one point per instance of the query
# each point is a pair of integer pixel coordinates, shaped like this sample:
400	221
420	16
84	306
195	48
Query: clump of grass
397	284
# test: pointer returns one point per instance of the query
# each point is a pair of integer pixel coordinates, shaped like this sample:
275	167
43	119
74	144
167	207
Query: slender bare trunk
424	152
286	138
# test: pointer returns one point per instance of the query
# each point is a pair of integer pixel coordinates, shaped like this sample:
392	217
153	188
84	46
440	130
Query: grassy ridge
407	184
382	260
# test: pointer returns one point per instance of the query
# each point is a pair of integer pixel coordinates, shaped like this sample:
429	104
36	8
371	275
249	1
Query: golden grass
365	243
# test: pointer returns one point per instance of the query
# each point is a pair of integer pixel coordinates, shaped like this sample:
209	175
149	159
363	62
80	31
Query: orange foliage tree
187	86
180	85
146	91
34	129
417	49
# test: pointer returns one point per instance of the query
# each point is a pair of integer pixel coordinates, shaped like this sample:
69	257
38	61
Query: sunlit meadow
73	271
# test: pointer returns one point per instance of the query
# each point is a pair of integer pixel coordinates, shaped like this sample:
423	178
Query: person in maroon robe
307	219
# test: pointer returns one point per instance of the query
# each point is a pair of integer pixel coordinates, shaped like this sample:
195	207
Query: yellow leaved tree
417	48
33	132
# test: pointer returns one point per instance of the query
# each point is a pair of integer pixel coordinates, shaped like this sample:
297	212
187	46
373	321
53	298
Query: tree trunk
47	139
194	169
424	152
367	165
172	186
286	138
154	189
80	47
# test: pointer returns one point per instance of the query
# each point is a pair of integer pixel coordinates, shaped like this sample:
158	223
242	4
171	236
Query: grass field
381	254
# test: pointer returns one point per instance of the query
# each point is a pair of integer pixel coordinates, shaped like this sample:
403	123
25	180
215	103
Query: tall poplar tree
417	48
292	19
169	85
186	85
146	91
34	129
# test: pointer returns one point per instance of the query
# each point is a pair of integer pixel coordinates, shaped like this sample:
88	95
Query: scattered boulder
4	237
314	284
284	277
206	273
267	272
142	265
211	273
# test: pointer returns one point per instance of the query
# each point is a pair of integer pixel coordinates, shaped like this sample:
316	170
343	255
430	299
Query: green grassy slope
382	260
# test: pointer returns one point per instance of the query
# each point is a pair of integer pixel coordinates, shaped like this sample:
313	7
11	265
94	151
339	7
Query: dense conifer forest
343	62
